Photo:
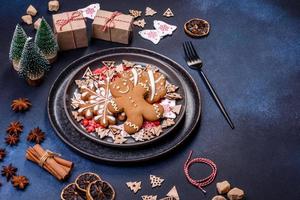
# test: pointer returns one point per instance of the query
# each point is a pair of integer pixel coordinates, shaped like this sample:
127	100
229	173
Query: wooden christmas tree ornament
168	13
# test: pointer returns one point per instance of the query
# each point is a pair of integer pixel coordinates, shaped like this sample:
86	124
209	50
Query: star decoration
12	139
14	128
8	171
36	135
141	23
135	13
19	182
21	104
119	139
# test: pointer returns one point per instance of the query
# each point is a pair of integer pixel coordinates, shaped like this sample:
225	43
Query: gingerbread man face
120	86
130	98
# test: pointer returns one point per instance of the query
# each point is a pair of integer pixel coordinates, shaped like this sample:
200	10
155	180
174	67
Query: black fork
194	62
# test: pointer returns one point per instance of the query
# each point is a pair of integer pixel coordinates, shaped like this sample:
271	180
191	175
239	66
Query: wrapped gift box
70	29
112	26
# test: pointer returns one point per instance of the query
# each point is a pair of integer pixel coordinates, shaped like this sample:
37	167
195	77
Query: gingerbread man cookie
130	98
154	79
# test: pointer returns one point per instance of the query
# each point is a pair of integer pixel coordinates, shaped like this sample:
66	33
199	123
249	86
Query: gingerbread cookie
130	98
155	80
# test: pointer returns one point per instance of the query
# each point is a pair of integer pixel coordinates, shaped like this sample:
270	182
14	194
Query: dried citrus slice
100	190
71	192
83	180
196	27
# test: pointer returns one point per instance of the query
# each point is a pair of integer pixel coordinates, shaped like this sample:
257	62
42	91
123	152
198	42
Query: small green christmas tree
17	45
46	40
33	64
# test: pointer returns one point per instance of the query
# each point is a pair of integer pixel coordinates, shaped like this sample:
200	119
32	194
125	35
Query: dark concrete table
251	57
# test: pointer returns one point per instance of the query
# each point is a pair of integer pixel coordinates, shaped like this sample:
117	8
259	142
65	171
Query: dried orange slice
83	180
71	192
100	190
196	27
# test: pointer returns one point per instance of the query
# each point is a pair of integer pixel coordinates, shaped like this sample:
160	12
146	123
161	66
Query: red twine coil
202	182
63	22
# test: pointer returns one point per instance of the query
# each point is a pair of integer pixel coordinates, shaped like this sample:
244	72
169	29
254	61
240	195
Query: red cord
203	182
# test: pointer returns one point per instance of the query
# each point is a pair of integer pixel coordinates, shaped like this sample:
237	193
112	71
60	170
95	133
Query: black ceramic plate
143	60
79	142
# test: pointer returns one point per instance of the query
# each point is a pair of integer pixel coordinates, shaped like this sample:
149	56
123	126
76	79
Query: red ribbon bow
63	22
110	22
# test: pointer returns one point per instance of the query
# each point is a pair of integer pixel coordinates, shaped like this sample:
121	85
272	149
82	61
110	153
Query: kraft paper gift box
70	29
112	26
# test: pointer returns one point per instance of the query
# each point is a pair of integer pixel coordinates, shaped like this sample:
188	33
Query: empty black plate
79	142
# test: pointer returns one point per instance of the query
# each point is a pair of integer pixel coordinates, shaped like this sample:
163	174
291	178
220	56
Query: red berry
90	129
85	122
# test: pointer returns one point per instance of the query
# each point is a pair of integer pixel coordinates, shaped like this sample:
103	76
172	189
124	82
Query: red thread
63	22
110	22
202	182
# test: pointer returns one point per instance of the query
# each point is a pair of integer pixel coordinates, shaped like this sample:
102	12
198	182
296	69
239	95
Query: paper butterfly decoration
161	30
150	12
90	11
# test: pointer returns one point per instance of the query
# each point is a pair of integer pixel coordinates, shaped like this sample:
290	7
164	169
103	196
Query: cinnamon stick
55	165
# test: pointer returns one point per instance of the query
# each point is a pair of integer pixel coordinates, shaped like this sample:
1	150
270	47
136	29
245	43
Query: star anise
2	154
12	139
9	171
36	135
21	104
14	128
20	182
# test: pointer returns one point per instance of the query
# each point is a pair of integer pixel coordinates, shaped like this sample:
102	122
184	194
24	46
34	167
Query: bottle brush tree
46	41
33	64
16	46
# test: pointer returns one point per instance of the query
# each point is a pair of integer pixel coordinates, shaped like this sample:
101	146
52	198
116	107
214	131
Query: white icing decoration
135	76
152	84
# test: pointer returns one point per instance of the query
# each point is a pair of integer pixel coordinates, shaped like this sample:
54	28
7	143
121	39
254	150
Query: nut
27	19
31	10
218	197
53	5
37	23
236	194
223	187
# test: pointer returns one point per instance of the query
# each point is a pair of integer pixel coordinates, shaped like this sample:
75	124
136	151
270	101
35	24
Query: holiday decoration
149	197
20	104
9	171
14	128
90	11
70	29
150	12
112	26
46	41
31	10
156	181
37	23
16	46
196	27
27	19
168	13
19	182
36	135
202	182
33	64
161	30
134	186
173	193
52	162
135	13
141	23
53	5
